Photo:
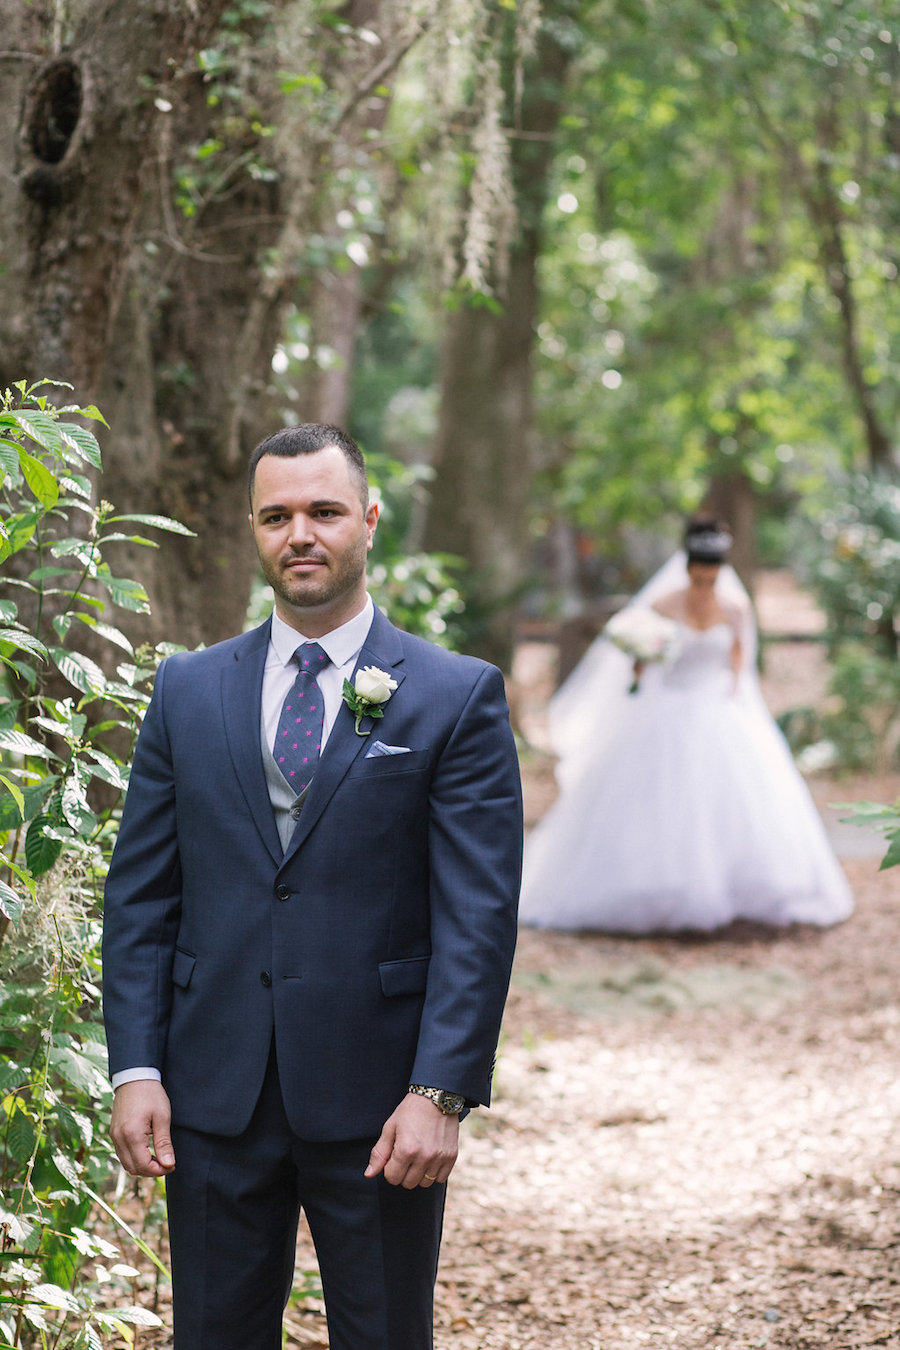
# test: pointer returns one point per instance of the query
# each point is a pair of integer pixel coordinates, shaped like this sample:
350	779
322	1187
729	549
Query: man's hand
418	1145
141	1116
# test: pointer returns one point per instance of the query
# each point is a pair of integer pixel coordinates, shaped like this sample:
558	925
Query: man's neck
318	623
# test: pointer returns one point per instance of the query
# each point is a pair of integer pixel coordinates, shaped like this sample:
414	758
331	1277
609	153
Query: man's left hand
417	1146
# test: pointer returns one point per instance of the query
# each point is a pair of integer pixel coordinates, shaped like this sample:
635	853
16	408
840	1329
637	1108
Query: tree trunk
155	278
478	507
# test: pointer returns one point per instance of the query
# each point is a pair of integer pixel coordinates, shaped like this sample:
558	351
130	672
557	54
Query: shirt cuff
135	1076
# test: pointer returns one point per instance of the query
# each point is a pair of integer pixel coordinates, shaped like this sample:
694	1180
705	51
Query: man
309	928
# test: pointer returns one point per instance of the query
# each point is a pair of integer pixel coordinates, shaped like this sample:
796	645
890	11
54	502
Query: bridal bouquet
643	635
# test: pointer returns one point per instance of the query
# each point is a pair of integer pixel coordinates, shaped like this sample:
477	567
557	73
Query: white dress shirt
343	646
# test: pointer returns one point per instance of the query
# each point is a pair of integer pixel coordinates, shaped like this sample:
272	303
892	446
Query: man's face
312	536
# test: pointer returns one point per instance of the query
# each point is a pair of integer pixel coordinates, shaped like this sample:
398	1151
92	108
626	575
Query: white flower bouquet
644	635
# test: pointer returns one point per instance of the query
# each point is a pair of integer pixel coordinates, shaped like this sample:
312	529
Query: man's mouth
303	564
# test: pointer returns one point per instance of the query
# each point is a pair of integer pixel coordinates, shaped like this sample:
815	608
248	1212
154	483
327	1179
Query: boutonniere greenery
370	689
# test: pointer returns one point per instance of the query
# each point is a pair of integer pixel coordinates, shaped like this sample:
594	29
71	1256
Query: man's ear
373	511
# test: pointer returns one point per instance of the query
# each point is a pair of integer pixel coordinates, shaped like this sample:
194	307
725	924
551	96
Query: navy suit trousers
234	1205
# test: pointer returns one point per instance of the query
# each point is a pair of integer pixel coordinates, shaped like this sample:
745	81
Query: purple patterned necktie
298	739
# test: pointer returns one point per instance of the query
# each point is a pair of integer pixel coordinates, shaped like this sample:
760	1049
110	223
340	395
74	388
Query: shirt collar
341	645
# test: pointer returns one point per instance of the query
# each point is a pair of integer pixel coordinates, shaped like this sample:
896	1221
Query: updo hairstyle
706	540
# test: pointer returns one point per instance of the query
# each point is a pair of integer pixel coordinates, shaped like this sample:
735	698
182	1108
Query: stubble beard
342	578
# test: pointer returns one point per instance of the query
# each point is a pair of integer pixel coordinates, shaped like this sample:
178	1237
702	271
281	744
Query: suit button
282	892
265	979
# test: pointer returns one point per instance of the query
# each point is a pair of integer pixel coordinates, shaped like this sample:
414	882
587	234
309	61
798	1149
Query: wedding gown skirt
691	815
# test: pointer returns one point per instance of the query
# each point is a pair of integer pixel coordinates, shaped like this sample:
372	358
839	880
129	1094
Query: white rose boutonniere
365	695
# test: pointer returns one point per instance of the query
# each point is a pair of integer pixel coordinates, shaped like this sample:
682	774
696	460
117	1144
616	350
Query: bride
680	806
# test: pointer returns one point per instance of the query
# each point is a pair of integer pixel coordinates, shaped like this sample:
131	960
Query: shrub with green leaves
68	721
852	561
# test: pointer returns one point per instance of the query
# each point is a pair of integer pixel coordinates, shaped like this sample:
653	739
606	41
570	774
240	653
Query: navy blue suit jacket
378	947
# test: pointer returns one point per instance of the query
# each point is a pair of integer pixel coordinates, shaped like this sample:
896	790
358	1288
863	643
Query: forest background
566	269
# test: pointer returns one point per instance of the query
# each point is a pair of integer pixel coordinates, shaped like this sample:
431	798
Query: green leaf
83	549
20	744
161	523
81	440
43	484
35	797
9	458
120	538
65	1166
23	641
66	722
861	810
11	1078
41	427
105	767
17	793
75	806
892	857
91	1340
106	630
52	1296
19	1136
41	851
79	670
77	484
11	903
139	1317
35	1317
125	593
21	874
8	611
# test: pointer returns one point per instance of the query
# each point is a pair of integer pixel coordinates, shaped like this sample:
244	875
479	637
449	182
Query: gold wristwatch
451	1103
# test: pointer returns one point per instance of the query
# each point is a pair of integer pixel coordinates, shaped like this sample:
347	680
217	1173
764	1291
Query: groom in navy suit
309	927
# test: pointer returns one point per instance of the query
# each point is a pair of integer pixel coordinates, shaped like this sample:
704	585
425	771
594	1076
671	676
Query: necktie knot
311	657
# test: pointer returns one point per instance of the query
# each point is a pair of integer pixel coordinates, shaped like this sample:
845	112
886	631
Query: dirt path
693	1144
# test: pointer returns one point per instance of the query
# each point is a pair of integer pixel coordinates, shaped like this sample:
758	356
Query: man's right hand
141	1118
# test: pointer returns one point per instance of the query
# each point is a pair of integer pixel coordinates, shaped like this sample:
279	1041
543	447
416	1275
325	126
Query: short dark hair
307	439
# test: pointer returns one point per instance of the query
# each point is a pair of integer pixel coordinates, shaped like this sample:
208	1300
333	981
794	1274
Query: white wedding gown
688	814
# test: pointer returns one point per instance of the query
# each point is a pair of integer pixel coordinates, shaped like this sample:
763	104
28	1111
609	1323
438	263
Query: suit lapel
241	704
382	649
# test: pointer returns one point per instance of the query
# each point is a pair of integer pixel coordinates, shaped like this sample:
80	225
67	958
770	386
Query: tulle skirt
693	815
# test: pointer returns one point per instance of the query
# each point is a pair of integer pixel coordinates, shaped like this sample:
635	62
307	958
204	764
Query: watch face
451	1103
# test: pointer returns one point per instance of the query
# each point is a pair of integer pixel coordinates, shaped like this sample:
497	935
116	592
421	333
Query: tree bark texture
478	507
167	313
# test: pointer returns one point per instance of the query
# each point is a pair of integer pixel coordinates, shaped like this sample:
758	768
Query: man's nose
302	530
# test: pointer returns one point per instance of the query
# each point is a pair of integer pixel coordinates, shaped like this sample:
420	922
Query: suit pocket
404	977
383	766
183	968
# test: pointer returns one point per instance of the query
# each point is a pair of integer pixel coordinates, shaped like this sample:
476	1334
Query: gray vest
285	802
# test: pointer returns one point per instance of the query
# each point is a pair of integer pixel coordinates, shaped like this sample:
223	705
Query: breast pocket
384	766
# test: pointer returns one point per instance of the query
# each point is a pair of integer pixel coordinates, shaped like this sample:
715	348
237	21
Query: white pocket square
379	748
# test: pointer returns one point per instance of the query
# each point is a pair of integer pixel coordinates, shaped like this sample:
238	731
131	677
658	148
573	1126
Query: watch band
451	1103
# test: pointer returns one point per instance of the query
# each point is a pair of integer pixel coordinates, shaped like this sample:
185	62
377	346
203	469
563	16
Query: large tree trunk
78	126
478	507
168	318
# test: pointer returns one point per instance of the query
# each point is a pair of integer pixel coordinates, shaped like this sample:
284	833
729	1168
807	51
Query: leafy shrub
875	815
852	561
67	726
859	726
